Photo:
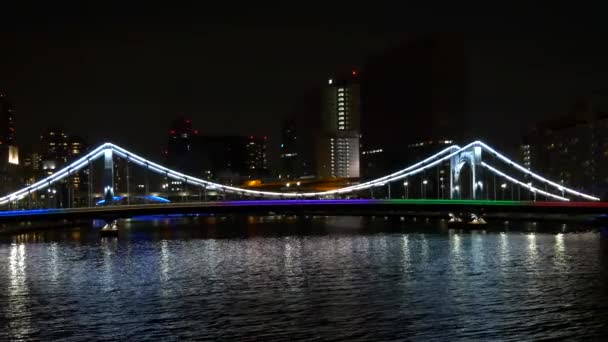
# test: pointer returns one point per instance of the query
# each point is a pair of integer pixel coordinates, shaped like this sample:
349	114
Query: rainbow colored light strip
295	203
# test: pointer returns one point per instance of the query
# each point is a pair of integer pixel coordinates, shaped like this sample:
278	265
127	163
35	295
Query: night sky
123	73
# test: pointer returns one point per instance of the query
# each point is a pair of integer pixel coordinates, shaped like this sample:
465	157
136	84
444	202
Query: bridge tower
472	158
108	176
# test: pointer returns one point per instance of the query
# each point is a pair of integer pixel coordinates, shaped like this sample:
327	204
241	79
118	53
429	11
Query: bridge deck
327	207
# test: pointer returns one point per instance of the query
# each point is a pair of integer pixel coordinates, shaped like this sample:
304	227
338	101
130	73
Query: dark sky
122	73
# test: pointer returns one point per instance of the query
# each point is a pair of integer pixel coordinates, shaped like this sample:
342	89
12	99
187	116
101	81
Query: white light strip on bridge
168	172
66	171
389	178
415	169
529	187
538	177
414	172
400	175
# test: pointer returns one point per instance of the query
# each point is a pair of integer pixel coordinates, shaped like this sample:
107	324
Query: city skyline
242	77
351	171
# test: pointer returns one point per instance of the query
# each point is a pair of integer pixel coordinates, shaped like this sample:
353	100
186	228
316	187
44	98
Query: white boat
477	220
110	229
454	219
458	222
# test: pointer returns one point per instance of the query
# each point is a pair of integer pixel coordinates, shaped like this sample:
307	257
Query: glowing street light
503	186
424	183
405	189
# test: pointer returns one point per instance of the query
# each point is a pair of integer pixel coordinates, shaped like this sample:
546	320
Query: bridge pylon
108	176
472	158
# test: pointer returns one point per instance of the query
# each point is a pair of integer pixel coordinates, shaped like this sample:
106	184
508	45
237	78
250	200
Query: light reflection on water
18	308
293	278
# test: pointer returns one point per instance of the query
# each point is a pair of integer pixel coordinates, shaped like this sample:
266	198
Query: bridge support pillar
472	158
108	177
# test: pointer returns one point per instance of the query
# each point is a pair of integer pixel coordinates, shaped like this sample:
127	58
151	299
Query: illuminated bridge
472	176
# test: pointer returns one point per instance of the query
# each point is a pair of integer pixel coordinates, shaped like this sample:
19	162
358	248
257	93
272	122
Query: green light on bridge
455	202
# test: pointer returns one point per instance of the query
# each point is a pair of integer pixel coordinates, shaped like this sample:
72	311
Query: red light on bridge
172	132
354	73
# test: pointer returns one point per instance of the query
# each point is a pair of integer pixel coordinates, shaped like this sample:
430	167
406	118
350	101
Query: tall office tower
289	151
256	160
54	150
181	146
573	148
9	153
414	95
338	150
77	147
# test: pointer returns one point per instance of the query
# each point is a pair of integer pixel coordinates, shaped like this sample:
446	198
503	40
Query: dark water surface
310	279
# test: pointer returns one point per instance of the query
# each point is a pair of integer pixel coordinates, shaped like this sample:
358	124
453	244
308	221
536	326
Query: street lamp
503	186
405	184
424	183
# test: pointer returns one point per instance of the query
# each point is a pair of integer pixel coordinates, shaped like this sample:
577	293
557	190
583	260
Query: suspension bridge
469	176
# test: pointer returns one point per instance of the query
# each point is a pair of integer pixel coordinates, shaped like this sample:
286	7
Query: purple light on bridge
297	202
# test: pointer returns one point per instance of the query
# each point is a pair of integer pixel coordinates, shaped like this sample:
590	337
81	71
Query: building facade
57	150
423	86
338	143
290	154
573	149
256	160
182	147
9	152
54	150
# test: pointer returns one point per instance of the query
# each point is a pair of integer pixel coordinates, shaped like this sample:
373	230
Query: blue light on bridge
115	199
149	198
28	212
157	199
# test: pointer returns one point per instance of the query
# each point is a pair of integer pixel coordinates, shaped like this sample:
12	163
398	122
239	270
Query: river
315	278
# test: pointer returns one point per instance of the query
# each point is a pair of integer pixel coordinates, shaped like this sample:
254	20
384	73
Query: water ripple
328	280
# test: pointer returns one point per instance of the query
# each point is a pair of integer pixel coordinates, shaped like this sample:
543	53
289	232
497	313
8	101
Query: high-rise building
9	152
289	151
33	162
304	126
77	147
256	160
181	146
58	149
338	142
414	93
8	143
233	159
572	149
7	121
54	146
